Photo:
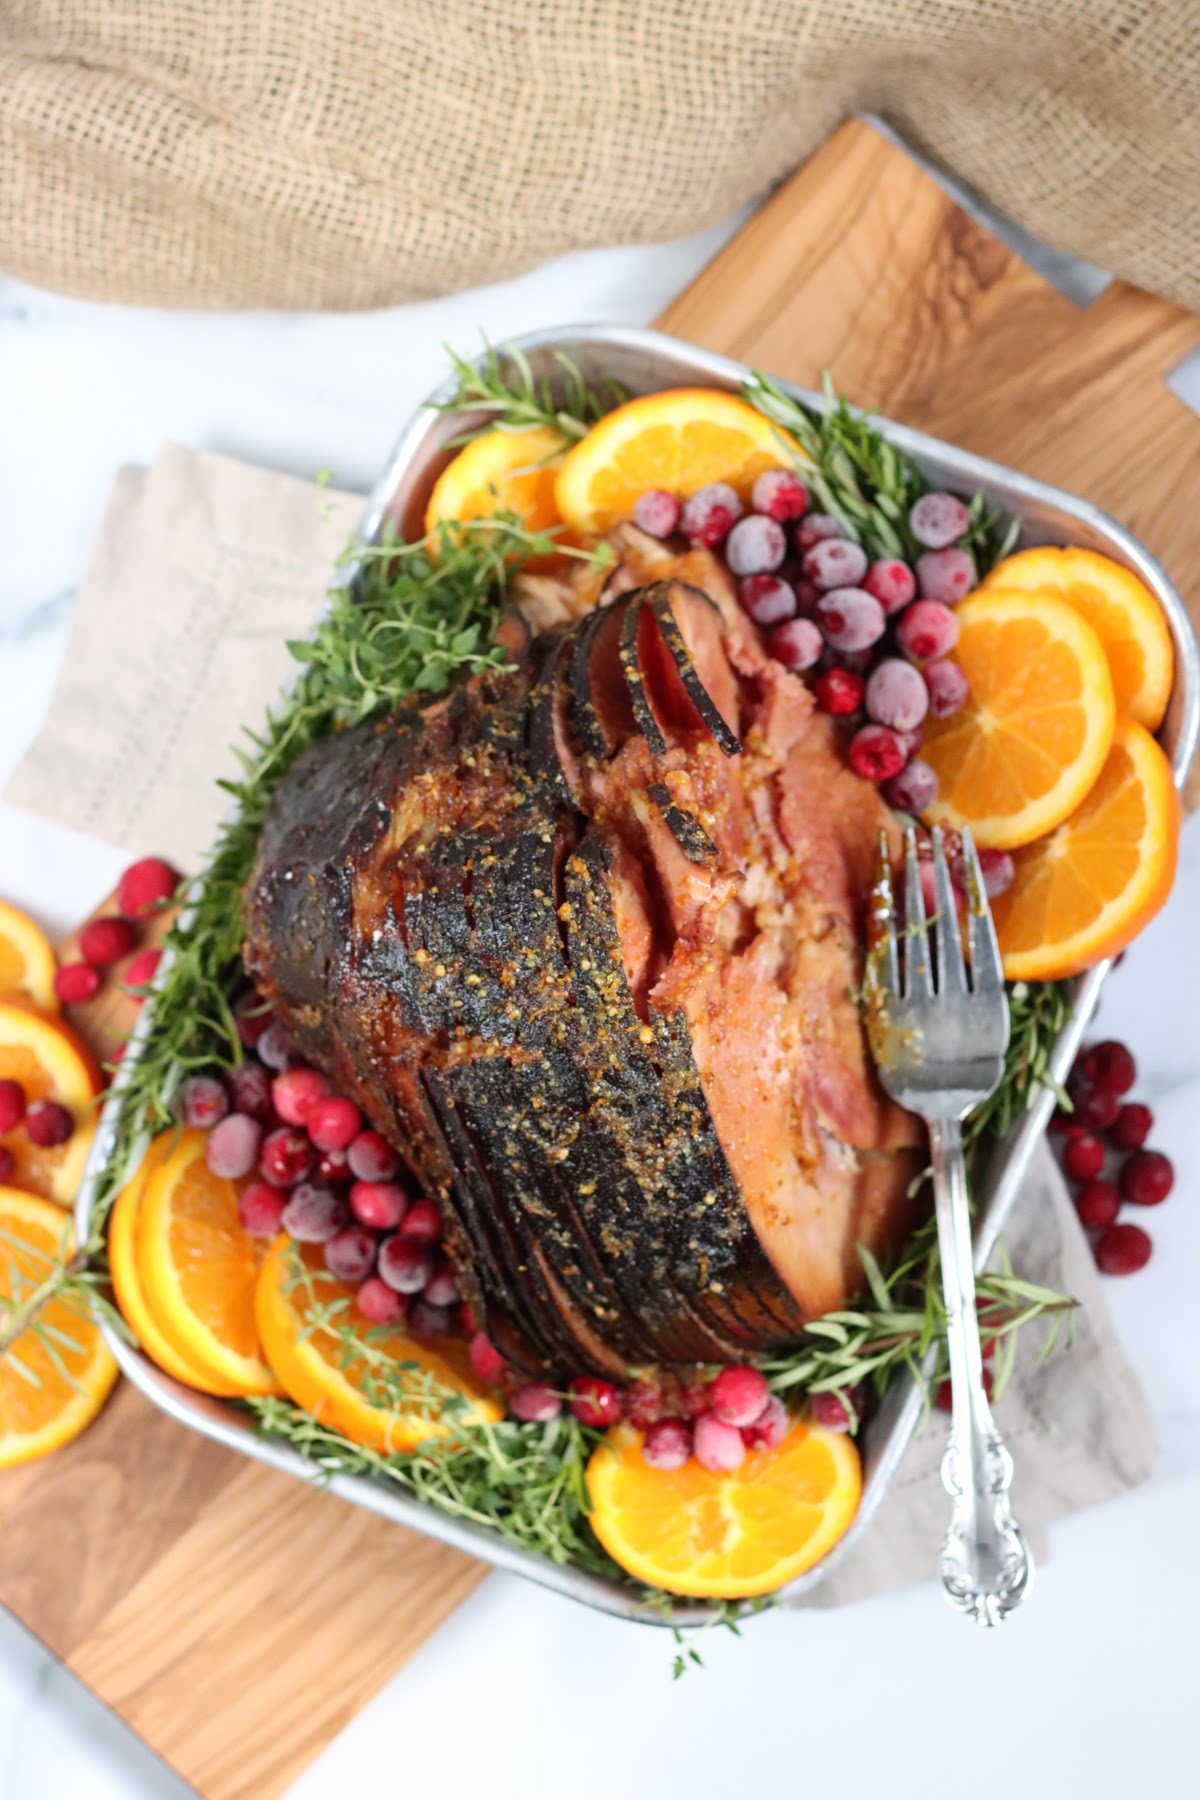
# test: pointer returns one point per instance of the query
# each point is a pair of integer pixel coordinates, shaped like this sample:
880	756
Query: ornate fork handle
986	1567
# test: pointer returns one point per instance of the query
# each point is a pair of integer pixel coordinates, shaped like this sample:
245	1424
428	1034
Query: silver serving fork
938	1038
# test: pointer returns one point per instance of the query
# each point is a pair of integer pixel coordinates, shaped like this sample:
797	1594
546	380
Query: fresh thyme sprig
861	478
506	390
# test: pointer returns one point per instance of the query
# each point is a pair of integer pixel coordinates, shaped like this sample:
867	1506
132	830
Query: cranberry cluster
143	888
1104	1154
876	636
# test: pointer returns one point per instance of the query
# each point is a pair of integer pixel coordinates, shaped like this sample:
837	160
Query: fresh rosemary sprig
68	1276
506	390
861	478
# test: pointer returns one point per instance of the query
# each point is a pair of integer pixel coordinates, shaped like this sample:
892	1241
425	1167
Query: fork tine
918	978
987	970
951	975
883	959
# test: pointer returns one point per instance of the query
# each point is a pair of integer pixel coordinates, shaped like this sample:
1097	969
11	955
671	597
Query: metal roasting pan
645	361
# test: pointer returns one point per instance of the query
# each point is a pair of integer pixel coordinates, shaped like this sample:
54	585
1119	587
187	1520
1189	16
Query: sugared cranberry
593	1402
380	1204
379	1303
106	941
250	1091
233	1146
203	1101
927	629
350	1253
295	1092
75	983
738	1395
404	1265
8	1163
913	789
767	599
656	512
1097	1204
770	1427
892	583
709	514
850	620
645	1402
1083	1157
486	1360
331	1168
999	871
48	1124
12	1103
313	1214
716	1445
815	528
260	1209
275	1047
667	1443
535	1404
831	1410
422	1223
836	563
332	1123
755	546
947	687
1096	1108
252	1017
442	1287
144	886
797	644
1146	1177
141	969
285	1157
875	753
693	1398
1123	1250
896	695
938	519
945	575
1129	1130
780	494
371	1157
839	691
1110	1065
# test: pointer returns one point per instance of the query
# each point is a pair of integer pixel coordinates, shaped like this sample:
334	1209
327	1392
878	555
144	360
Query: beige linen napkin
203	567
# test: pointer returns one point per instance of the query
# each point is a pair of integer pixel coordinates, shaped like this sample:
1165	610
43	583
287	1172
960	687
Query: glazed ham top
583	940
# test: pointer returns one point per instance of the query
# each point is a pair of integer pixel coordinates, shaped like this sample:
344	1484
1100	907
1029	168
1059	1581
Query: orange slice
355	1395
26	960
127	1284
1037	727
1121	611
55	1376
510	471
680	440
51	1063
1085	891
725	1536
197	1268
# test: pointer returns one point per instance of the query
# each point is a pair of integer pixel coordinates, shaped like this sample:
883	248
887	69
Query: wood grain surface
192	1590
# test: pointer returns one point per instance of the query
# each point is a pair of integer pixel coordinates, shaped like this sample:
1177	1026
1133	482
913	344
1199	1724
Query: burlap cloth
348	153
202	568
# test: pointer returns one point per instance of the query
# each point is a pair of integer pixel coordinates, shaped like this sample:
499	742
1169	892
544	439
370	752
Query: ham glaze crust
583	940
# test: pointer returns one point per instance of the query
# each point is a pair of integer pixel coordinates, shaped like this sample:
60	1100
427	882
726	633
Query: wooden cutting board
197	1594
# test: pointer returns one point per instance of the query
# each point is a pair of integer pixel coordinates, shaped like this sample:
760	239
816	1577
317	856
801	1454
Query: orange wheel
26	960
502	471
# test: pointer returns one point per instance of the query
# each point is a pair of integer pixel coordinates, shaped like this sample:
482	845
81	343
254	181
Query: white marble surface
1089	1689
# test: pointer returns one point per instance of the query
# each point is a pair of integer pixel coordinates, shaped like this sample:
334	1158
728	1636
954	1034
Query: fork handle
985	1565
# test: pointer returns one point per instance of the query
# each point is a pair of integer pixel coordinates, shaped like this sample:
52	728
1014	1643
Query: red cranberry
896	695
945	1397
404	1265
250	1091
285	1157
379	1303
945	575
693	1398
1123	1250
814	528
797	644
1129	1130
380	1204
48	1124
709	514
203	1101
656	512
1097	1204
75	983
233	1145
371	1157
645	1403
429	1322
717	1446
332	1123
486	1360
667	1443
938	519
998	869
839	691
313	1214
275	1047
252	1017
1110	1065
442	1287
141	969
8	1163
350	1253
850	620
331	1168
755	545
947	687
836	563
144	886
12	1103
767	599
1096	1108
770	1427
1084	1156
927	630
422	1223
780	494
296	1092
260	1209
535	1403
875	753
106	941
831	1411
738	1395
914	788
593	1402
892	583
1146	1178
